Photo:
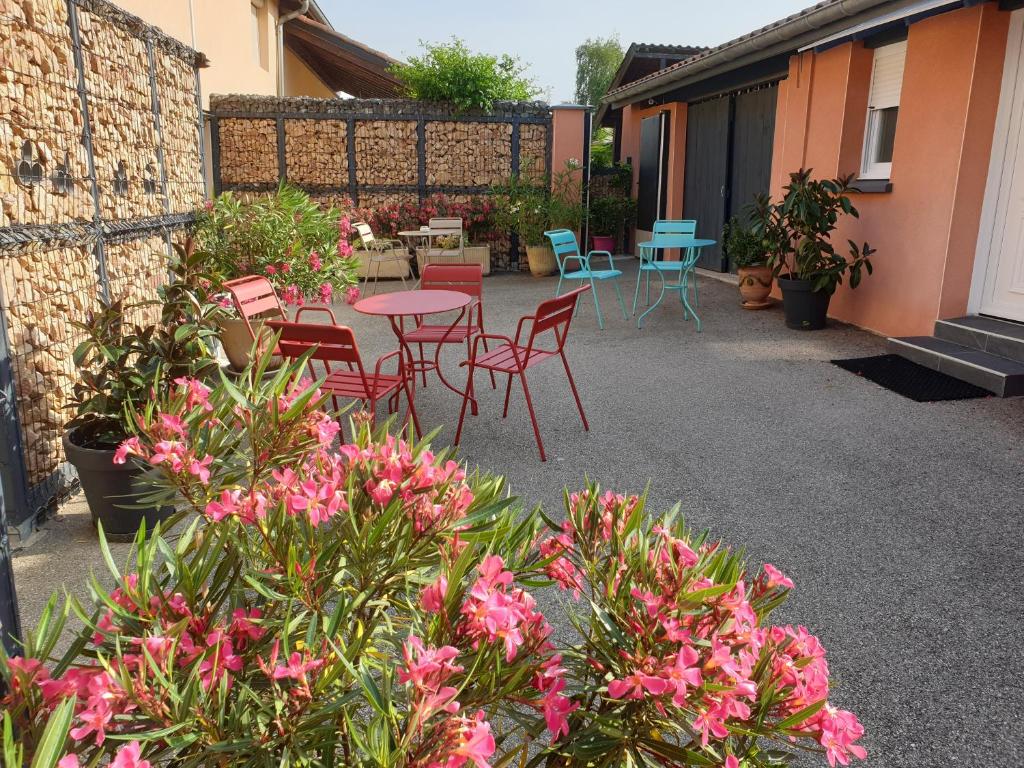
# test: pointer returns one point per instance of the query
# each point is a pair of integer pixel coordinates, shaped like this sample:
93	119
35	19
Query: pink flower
130	757
731	762
684	672
228	505
271	269
477	744
326	293
634	685
711	722
208	205
201	469
130	447
314	261
297	667
776	578
432	597
169	452
839	730
198	393
352	294
68	761
94	719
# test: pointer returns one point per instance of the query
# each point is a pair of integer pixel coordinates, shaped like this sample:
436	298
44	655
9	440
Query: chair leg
597	304
423	371
558	288
636	293
411	412
508	394
575	394
647	297
618	295
494	383
376	277
533	416
465	400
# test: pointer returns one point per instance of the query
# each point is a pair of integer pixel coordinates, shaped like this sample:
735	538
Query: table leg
652	307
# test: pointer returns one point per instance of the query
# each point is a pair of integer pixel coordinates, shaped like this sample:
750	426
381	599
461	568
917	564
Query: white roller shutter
887	76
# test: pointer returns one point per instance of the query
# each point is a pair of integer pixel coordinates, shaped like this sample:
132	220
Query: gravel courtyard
899	521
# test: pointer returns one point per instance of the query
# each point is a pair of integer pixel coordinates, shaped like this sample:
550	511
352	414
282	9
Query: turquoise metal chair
563	243
663	232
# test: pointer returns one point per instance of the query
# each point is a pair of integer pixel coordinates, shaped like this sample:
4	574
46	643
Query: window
883	110
259	34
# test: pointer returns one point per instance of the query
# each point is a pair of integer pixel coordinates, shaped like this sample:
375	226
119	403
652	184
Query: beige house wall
223	30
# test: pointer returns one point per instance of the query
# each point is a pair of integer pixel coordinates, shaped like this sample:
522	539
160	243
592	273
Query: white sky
544	33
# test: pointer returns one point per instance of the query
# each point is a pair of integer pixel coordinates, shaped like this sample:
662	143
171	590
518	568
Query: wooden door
753	133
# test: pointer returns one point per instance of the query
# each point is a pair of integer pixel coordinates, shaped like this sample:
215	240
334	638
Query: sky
544	33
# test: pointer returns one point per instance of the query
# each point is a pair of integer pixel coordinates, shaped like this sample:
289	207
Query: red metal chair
337	344
515	359
467	279
255	299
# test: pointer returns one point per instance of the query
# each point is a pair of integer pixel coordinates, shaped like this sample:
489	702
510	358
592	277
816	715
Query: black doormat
910	379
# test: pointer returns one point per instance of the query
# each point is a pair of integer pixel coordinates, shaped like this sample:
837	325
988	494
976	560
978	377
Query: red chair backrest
331	343
555	315
466	278
254	296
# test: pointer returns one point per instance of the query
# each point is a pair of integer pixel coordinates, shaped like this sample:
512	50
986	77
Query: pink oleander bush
370	603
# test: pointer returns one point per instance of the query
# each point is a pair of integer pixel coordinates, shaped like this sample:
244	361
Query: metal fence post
83	98
13	493
350	147
421	159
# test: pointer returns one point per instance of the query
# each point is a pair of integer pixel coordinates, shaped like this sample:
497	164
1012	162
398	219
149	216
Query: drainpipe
281	21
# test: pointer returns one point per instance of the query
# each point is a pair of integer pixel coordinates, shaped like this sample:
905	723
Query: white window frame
875	170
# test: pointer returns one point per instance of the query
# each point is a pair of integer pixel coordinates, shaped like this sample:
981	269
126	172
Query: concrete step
998	337
999	375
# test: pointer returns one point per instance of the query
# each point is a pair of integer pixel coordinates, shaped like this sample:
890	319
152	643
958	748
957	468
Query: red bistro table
402	304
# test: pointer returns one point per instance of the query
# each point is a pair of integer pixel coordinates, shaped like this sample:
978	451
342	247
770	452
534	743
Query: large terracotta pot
237	342
755	286
542	260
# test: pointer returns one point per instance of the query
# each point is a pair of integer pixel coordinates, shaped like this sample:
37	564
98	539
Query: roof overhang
663	54
342	63
780	39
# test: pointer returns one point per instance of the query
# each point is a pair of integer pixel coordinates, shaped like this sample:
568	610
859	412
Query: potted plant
796	238
611	209
478	218
303	249
745	252
122	365
522	208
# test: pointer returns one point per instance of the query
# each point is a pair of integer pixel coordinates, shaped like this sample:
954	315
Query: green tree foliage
452	73
596	61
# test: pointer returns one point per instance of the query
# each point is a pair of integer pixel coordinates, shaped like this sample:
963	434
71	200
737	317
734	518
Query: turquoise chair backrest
563	243
674	233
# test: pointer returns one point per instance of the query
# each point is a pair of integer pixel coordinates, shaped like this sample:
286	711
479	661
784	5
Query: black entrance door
706	181
651	190
752	136
728	161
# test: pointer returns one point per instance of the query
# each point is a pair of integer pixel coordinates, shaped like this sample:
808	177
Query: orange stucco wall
223	31
630	148
926	228
567	126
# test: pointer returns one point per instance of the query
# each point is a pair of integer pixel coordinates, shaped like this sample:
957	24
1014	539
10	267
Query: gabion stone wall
101	136
377	151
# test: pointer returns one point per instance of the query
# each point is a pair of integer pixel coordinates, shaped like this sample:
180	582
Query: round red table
402	304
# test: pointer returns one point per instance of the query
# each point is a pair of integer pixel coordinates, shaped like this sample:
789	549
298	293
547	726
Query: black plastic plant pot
112	490
805	309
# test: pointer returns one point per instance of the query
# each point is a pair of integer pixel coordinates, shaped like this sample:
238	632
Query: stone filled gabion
316	153
48	215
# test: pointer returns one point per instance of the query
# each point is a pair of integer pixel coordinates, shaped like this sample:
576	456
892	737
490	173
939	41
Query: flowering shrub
303	249
477	214
369	603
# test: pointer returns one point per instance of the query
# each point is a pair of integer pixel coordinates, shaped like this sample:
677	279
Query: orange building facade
938	221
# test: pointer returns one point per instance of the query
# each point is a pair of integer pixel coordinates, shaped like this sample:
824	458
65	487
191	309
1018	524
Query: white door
1000	264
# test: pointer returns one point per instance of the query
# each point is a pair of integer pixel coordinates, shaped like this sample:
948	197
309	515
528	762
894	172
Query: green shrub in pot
796	238
123	362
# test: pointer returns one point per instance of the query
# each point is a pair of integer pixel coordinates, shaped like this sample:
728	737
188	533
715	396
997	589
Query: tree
596	61
452	73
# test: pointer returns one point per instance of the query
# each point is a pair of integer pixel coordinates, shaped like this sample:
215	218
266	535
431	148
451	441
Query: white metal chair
446	244
381	251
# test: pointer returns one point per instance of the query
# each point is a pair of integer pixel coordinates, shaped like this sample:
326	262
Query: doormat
911	380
